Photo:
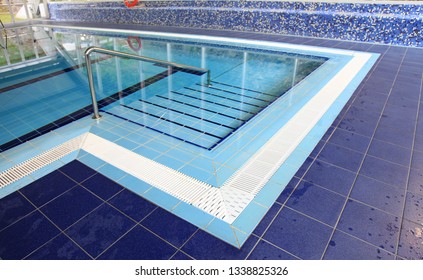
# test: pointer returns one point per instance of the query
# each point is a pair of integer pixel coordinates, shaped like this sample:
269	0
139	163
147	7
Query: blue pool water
246	82
173	104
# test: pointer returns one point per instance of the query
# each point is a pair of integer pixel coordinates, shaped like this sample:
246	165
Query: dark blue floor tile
77	171
132	205
387	172
400	88
415	181
303	169
330	177
98	230
411	241
60	248
401	101
345	247
386	69
350	140
267	219
139	244
397	112
12	208
398	135
414	208
374	226
341	157
417	161
369	93
203	246
328	133
379	48
418	141
317	149
181	256
362	114
70	207
288	190
317	202
48	187
23	237
102	186
266	251
298	234
390	152
379	83
357	126
379	195
170	227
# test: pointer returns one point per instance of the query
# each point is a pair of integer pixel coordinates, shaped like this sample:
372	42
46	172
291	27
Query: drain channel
27	167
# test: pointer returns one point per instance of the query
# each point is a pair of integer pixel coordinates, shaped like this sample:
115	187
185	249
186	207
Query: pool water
175	104
263	113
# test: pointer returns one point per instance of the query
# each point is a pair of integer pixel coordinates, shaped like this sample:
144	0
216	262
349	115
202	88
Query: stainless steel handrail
92	49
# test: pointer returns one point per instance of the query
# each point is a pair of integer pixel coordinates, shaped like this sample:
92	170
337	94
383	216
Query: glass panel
13	47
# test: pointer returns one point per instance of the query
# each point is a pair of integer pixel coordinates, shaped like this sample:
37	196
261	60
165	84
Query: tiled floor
358	196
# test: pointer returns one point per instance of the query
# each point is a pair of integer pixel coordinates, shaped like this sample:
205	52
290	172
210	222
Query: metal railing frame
93	49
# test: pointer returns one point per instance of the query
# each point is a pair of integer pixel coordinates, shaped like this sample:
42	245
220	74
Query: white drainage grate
212	202
25	168
235	202
182	186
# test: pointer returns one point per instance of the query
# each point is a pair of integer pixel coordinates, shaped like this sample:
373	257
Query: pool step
45	66
196	114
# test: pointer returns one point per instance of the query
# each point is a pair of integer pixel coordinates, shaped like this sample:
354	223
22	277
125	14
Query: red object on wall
133	39
130	4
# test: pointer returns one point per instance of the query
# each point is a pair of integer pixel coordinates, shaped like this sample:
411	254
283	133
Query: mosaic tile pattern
397	24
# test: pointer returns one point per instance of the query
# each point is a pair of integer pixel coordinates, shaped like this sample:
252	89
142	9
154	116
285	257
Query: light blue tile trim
90	160
161	198
15	186
250	217
70	157
241	237
111	172
223	231
268	195
193	215
134	184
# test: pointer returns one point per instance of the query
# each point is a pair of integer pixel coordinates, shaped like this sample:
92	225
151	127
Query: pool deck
359	195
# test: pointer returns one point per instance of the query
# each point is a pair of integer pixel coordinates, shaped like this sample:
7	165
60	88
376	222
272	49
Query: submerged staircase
200	115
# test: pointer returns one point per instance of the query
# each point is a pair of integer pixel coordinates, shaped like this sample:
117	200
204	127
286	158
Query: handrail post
208	78
91	49
96	115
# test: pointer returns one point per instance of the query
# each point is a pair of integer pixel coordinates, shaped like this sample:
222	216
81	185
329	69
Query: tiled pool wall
387	23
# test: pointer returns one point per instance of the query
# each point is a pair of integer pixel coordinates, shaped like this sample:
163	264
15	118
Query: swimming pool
216	164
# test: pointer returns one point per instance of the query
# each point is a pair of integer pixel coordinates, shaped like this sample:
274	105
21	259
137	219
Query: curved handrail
92	49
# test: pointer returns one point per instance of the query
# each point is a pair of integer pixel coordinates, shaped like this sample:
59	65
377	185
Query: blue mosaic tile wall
396	24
